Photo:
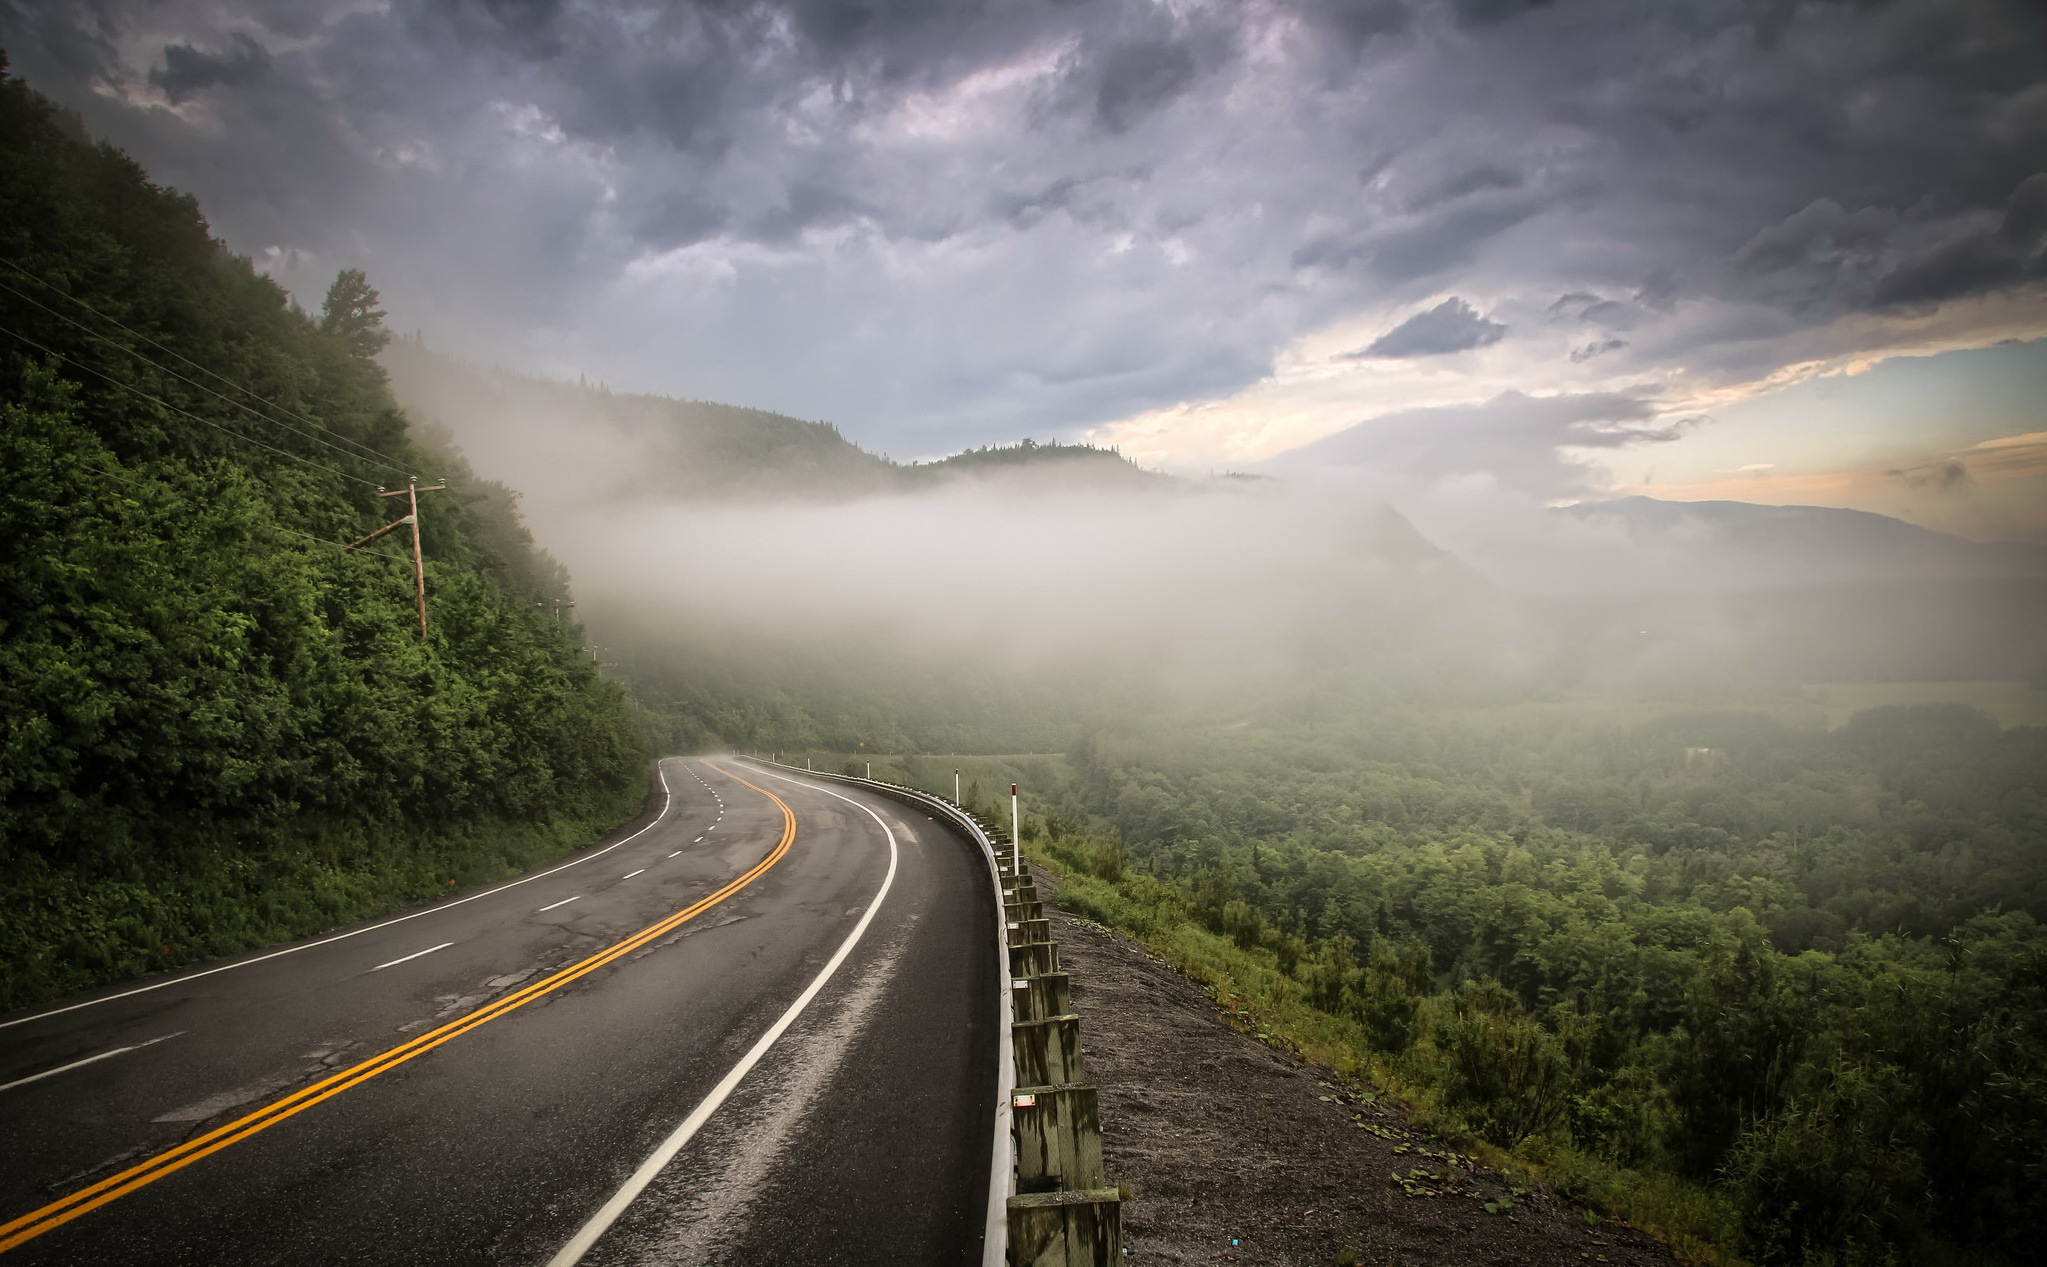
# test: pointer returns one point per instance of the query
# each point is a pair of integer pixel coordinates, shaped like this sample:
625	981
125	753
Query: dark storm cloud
1451	326
187	70
944	223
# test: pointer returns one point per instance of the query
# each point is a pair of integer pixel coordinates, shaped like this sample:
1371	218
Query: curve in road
617	1022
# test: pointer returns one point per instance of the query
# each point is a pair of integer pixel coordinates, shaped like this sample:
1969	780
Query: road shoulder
1234	1151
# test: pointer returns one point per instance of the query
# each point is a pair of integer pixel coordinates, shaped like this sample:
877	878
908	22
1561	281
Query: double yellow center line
63	1210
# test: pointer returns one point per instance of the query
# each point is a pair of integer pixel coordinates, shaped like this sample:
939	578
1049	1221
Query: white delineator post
1015	836
955	787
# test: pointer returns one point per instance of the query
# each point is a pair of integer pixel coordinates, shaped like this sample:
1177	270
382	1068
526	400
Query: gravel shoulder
1236	1152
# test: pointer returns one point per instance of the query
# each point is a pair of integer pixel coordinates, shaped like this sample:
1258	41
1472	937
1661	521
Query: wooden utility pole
411	493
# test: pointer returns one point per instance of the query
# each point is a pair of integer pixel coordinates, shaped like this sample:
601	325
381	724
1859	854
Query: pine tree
351	314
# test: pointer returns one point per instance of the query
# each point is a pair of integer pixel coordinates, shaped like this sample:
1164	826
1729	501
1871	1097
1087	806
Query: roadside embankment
1236	1152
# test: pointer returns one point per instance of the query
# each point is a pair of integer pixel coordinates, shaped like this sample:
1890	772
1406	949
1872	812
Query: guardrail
1049	1203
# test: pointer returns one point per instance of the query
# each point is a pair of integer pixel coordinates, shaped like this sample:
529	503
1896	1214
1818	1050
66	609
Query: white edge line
414	955
667	800
1002	1156
601	1222
51	1073
564	902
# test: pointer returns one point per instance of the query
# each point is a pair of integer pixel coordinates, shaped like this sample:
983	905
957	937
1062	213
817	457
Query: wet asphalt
862	1136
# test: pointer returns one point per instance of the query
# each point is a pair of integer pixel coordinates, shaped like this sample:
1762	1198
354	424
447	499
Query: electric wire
315	423
365	454
155	400
129	478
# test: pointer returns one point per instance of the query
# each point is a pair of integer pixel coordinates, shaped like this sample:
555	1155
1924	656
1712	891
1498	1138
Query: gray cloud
187	70
944	224
1450	326
1513	439
1934	475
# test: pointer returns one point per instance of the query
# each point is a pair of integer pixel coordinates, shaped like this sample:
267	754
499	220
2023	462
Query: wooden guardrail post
1064	1213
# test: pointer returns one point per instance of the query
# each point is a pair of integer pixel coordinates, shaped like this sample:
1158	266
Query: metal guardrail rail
1049	1204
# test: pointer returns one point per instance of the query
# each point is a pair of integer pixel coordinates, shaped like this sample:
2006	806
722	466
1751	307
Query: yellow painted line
64	1209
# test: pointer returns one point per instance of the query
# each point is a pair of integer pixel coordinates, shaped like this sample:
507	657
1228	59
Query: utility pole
411	493
1015	836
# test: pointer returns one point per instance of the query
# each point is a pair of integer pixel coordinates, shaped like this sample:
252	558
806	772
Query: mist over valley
1032	633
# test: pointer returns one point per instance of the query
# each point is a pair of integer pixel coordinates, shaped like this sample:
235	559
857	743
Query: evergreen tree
351	314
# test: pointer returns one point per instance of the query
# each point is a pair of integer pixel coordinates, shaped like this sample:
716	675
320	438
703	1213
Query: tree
351	314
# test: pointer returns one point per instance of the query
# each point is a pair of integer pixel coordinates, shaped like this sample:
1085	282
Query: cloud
1451	326
1514	441
1993	490
187	70
1935	475
1138	79
1600	348
943	224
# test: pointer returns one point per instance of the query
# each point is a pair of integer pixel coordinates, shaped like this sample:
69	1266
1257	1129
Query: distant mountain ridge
1731	544
666	449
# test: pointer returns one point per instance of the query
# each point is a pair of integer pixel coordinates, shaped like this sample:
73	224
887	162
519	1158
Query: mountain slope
1723	543
221	728
583	445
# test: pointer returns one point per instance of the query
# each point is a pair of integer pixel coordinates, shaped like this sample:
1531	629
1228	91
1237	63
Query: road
474	1083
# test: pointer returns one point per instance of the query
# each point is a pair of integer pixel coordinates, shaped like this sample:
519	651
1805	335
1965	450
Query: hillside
614	447
1727	544
222	728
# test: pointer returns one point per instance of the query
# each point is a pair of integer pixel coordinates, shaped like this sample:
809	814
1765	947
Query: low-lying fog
683	532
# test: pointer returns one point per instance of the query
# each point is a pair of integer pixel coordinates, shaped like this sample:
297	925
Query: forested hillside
614	446
1775	989
222	728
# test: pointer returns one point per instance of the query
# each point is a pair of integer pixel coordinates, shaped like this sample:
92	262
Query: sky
1749	249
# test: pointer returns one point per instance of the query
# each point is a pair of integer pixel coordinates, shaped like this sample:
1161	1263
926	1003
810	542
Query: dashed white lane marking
76	1064
630	874
414	955
673	854
564	902
667	802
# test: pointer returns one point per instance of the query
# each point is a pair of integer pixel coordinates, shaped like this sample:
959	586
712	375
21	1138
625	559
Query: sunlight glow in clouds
1207	232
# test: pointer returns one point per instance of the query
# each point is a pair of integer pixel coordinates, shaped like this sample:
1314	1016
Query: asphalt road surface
478	1082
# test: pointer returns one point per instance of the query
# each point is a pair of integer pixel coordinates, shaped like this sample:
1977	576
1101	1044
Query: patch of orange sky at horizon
1992	490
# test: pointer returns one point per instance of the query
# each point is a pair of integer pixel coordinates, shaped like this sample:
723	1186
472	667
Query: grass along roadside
1255	995
73	929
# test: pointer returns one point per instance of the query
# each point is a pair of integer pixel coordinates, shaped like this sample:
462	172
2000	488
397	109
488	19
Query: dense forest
1775	989
221	727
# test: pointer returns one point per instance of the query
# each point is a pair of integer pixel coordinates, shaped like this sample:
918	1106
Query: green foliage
1778	990
219	727
351	315
1501	1069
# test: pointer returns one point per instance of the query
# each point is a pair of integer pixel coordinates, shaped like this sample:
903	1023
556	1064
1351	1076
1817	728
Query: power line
365	454
286	453
130	478
247	391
